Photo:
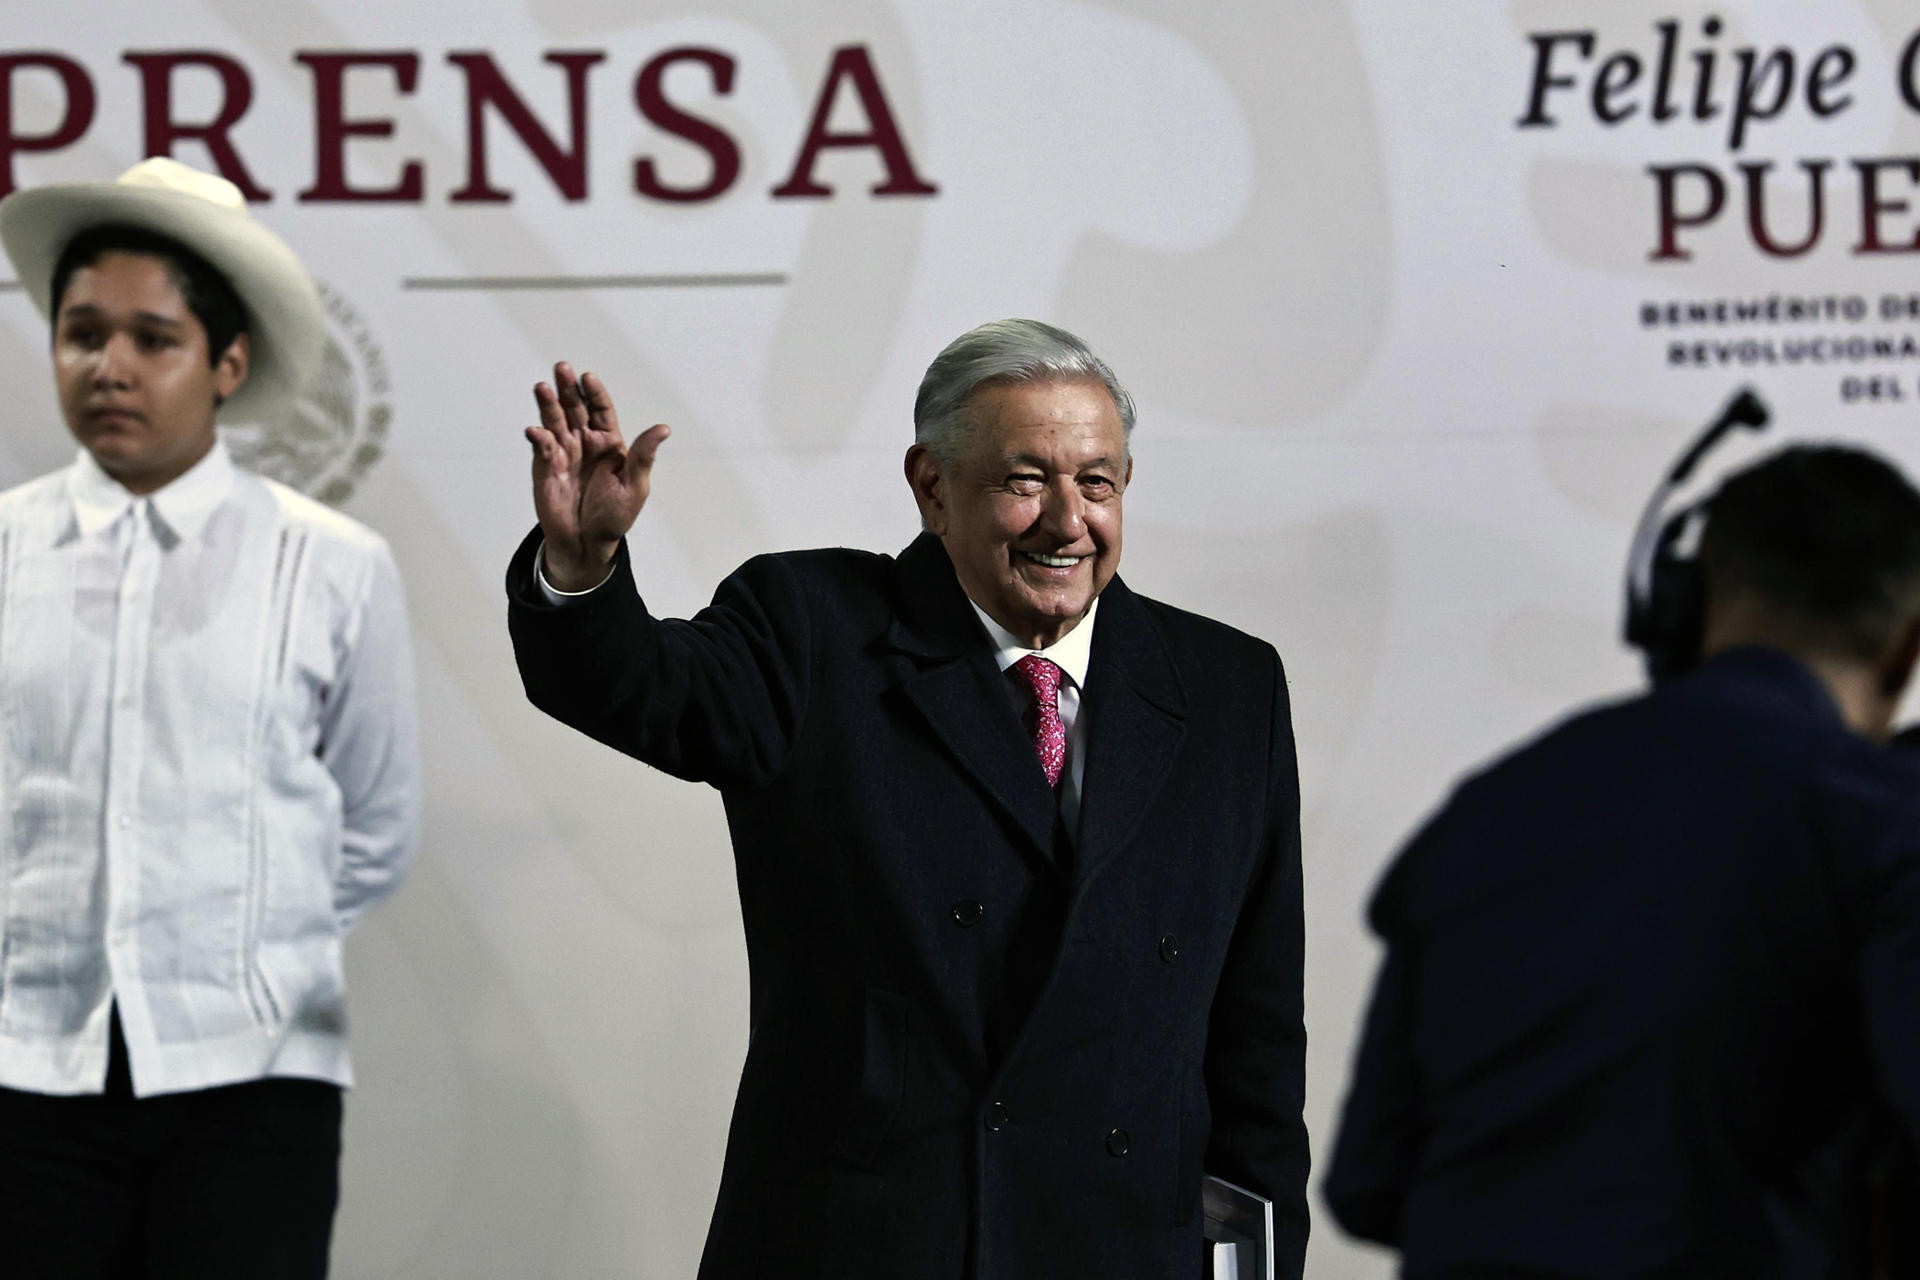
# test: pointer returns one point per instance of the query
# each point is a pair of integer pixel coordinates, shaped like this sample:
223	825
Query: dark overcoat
1646	978
981	1046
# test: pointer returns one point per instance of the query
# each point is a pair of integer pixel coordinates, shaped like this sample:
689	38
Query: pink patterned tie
1049	735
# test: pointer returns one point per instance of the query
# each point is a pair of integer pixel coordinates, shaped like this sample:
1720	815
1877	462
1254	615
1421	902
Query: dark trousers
234	1183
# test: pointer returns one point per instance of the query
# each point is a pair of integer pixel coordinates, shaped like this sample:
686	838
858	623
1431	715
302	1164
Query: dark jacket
1644	980
980	1047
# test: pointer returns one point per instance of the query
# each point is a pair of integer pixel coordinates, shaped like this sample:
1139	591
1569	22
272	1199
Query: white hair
1002	352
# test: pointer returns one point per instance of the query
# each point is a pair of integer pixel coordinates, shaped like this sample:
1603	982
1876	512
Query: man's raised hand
588	483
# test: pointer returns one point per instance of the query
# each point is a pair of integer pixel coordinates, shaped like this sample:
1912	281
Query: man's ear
231	369
1896	668
929	488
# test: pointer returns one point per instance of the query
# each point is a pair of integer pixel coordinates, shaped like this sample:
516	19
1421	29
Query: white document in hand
1240	1226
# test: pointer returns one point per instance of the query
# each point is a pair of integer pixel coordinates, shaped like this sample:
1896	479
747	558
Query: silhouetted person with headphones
1647	976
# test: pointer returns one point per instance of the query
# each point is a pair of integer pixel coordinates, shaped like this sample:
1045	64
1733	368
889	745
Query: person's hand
588	483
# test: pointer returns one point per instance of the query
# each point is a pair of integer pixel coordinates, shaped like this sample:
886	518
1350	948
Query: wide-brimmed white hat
207	214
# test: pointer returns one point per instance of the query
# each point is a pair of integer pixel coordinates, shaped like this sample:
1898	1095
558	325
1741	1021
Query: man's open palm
588	484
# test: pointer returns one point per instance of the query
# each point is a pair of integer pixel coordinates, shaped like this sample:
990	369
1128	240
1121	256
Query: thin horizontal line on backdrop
717	280
564	282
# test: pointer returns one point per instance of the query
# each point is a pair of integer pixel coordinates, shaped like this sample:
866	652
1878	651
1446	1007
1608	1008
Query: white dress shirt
1071	653
209	772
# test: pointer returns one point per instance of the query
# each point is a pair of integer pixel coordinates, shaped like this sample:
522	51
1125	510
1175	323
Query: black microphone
1746	409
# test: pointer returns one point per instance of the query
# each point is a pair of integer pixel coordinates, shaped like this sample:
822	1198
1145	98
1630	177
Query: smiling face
131	367
1029	511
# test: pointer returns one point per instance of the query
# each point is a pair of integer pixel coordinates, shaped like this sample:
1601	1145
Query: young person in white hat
208	758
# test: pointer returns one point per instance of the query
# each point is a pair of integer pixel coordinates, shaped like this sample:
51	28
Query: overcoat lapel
961	695
1137	712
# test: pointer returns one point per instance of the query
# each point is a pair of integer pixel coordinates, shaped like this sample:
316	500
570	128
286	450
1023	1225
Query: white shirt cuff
554	594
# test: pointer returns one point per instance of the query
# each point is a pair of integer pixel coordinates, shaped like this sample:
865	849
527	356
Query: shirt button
1169	948
968	913
125	820
996	1117
1117	1143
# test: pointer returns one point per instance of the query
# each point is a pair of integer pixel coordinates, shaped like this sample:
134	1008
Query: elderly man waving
1018	849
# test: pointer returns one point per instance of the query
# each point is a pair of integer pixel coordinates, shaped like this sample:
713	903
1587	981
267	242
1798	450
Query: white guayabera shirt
208	771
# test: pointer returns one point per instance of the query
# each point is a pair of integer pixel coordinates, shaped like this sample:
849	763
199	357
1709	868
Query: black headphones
1666	599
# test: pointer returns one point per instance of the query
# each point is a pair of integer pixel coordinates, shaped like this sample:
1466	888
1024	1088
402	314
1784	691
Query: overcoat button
1117	1143
1169	948
968	913
996	1117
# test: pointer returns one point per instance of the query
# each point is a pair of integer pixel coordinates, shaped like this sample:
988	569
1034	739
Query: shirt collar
1071	653
182	506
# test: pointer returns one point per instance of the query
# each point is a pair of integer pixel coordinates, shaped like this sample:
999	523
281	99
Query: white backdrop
1399	407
